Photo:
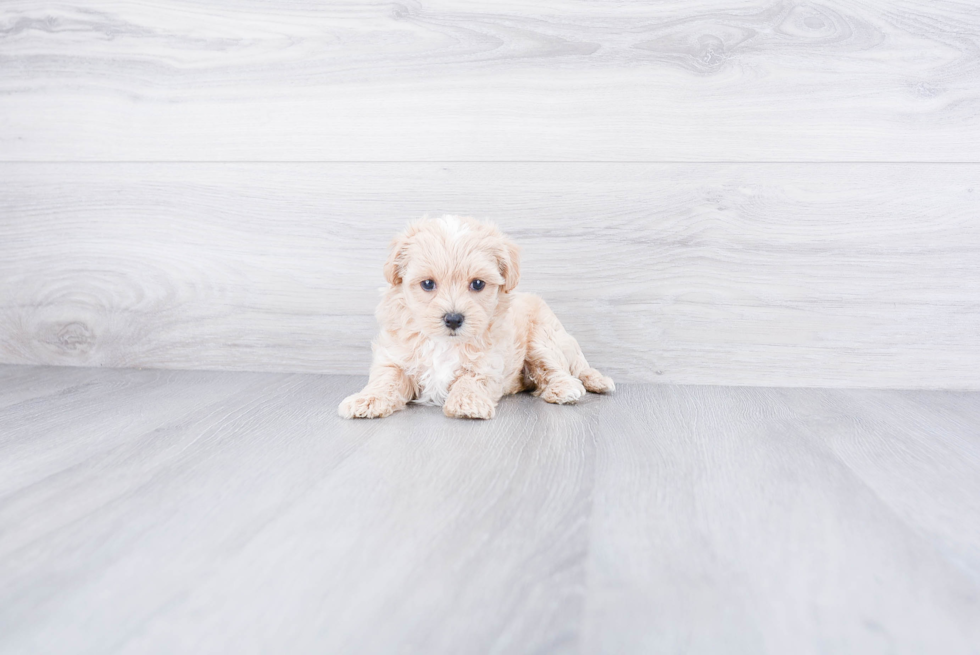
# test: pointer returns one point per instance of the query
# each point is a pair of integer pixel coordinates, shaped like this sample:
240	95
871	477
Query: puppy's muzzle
453	321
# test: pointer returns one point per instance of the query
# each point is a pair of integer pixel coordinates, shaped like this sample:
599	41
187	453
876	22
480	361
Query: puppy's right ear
398	256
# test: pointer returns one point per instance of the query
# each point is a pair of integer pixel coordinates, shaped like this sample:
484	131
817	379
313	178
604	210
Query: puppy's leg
471	396
555	361
387	391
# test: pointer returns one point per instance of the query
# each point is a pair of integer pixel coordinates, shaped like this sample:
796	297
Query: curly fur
508	342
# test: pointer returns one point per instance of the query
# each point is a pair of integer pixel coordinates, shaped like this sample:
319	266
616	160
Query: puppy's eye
477	285
428	285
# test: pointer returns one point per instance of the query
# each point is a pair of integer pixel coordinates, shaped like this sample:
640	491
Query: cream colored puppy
455	333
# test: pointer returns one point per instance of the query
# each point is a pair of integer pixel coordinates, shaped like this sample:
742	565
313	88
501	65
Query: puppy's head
451	272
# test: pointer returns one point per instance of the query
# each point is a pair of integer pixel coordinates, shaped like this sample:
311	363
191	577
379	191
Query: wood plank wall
707	191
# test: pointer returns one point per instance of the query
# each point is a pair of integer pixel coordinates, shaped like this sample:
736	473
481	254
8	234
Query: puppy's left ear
509	261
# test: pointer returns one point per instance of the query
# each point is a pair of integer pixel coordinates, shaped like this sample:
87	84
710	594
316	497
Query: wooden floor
195	512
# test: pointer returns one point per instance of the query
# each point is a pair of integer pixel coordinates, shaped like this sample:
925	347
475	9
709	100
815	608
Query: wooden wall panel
762	274
681	80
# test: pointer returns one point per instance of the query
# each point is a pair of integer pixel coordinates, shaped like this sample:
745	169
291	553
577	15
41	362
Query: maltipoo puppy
455	333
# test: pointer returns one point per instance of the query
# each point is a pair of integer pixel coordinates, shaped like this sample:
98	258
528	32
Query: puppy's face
451	272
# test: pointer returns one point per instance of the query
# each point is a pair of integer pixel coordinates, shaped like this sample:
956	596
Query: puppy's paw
563	391
468	405
596	382
366	405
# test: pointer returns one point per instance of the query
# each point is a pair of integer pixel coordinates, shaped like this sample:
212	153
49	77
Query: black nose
453	321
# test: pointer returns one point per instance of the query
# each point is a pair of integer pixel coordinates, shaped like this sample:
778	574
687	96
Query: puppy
455	333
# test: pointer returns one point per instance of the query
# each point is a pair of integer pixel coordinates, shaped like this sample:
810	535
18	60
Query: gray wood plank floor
164	511
674	80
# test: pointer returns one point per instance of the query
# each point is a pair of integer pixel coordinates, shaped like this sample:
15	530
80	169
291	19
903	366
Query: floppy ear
509	260
398	257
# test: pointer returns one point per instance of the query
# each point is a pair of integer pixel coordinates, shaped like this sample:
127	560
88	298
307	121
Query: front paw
468	405
366	405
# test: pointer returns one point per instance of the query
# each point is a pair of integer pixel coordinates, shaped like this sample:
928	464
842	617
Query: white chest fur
435	370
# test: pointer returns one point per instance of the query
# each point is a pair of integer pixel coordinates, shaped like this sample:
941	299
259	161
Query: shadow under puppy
455	333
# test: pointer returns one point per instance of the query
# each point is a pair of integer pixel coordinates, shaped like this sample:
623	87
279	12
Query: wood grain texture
786	275
704	80
246	492
155	511
773	520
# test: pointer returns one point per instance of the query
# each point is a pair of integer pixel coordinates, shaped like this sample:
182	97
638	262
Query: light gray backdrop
708	191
